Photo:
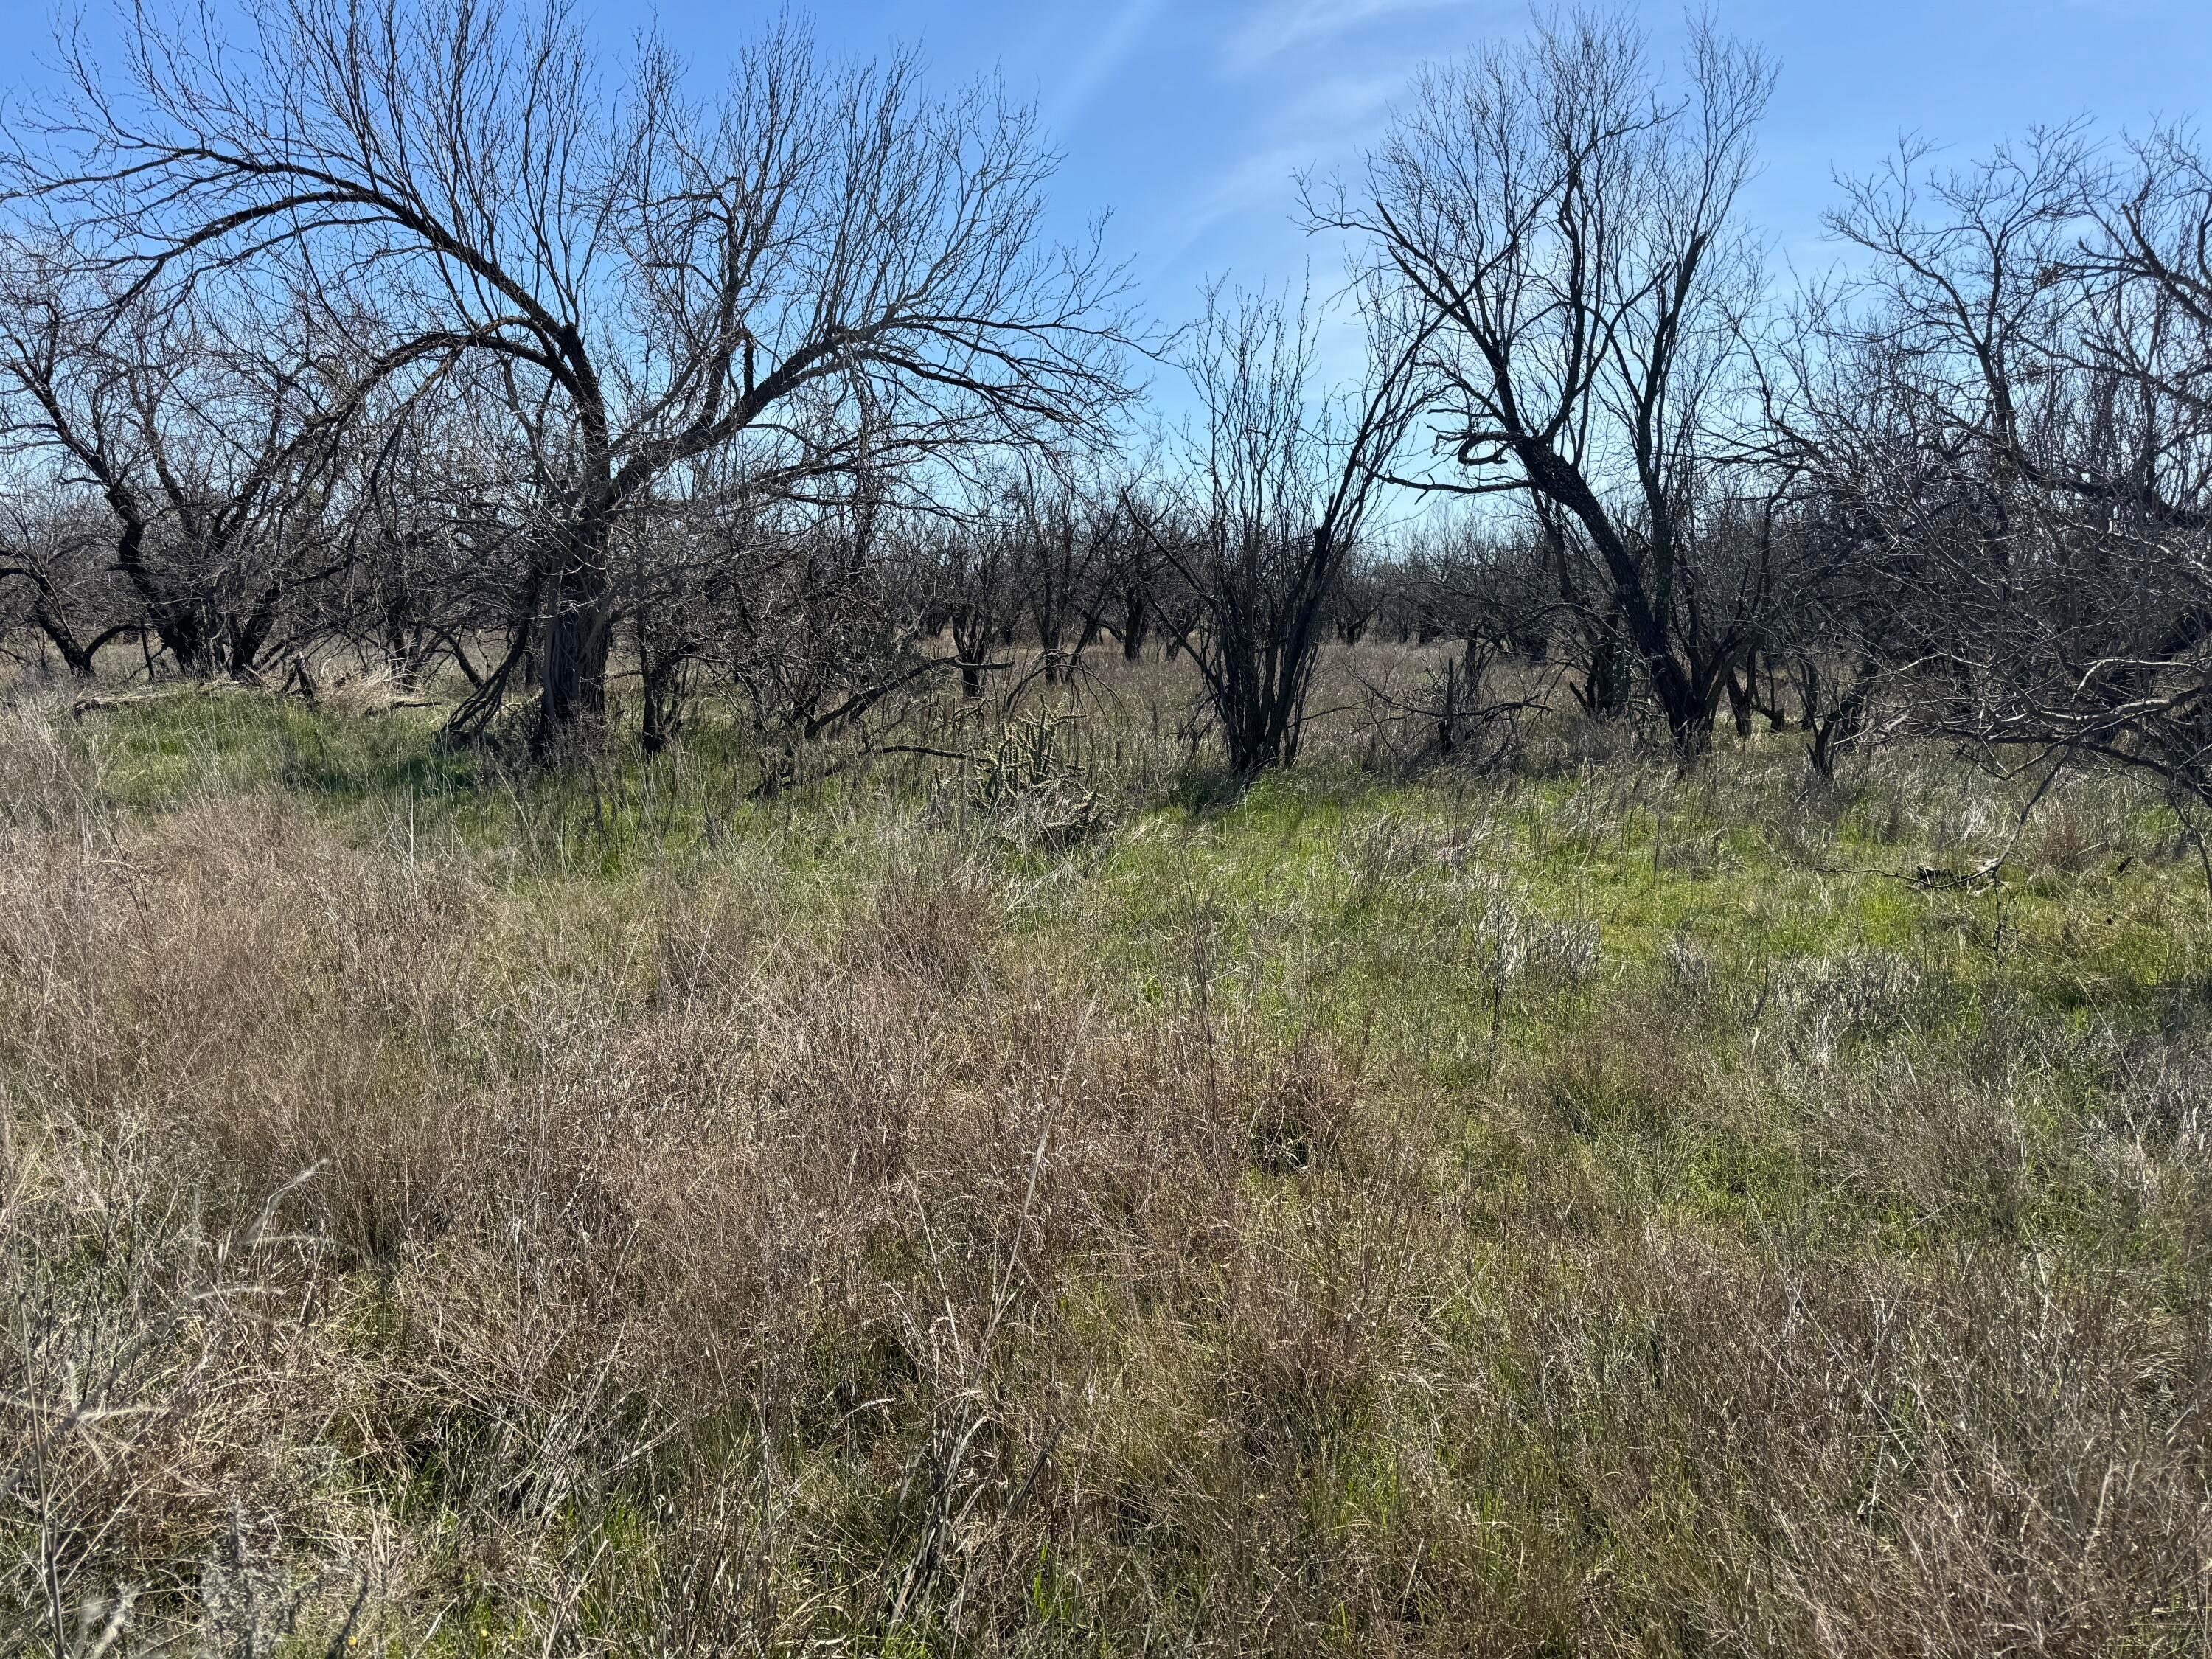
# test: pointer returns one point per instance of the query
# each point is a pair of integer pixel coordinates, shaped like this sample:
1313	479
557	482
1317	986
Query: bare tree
1283	477
204	419
821	263
2004	415
55	575
1066	535
970	563
1563	223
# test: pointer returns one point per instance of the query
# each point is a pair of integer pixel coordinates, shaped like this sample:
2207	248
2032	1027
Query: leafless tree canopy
823	272
426	331
1560	226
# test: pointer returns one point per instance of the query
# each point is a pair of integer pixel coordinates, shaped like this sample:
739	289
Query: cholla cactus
1032	780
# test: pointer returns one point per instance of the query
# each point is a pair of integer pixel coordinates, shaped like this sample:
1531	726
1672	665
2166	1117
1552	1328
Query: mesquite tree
823	267
1281	480
202	421
2003	421
1562	223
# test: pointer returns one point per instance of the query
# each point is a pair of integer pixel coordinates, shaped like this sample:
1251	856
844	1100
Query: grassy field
1581	1208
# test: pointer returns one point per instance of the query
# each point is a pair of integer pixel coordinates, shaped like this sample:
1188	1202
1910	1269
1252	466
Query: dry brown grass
842	1239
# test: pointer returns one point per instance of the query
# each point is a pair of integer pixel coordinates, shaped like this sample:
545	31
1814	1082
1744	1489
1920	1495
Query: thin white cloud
1259	184
1281	25
1065	104
1323	127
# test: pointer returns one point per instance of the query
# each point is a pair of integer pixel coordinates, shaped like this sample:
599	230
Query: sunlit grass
1460	1209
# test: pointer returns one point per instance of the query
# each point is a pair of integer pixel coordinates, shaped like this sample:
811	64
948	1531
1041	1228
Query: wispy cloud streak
1284	26
1067	103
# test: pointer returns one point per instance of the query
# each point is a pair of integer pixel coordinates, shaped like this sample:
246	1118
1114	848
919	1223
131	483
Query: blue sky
1187	117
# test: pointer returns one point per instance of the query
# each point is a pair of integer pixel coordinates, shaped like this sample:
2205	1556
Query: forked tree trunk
1135	616
1739	689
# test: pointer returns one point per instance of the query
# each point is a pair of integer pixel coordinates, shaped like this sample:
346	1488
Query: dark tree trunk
1136	617
1739	689
178	624
660	675
1840	725
249	639
77	658
1447	717
572	665
1605	679
971	643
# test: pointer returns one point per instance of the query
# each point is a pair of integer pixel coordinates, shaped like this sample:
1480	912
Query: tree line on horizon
422	331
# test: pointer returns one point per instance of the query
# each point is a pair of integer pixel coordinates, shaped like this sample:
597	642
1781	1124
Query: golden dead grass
787	1249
